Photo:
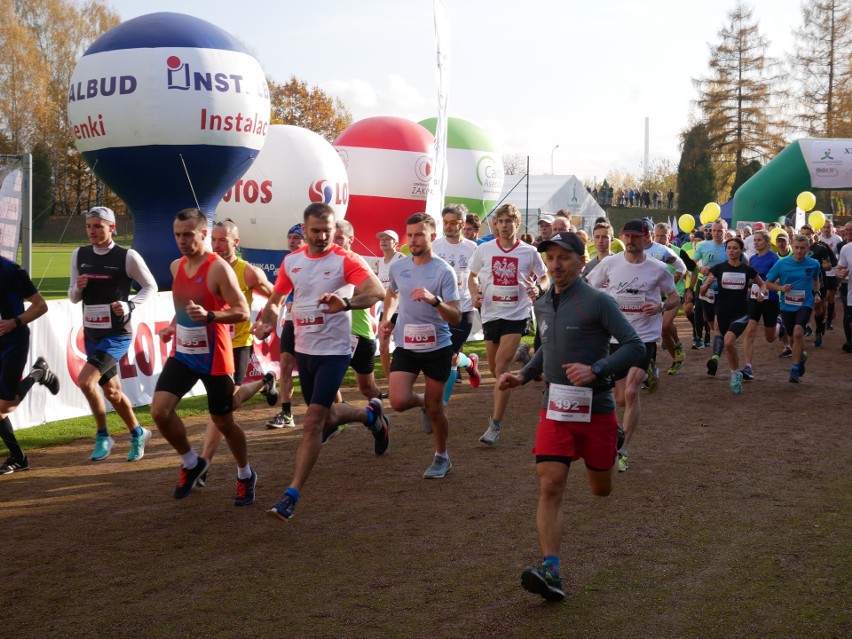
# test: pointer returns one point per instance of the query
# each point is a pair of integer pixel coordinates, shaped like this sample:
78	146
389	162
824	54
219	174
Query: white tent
548	194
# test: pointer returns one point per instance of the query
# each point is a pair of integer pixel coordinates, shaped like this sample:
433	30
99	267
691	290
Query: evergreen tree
696	178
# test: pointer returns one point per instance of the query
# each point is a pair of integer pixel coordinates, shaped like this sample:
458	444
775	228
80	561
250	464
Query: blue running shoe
103	447
245	490
188	478
748	374
736	382
794	375
283	510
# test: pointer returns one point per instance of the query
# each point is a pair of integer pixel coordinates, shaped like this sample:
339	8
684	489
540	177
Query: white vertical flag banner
10	214
438	184
800	221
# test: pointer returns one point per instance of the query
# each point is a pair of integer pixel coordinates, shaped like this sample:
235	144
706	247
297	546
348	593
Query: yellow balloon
817	220
806	201
686	223
773	235
713	211
704	217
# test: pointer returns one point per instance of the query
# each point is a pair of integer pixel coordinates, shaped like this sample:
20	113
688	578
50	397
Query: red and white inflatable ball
295	167
389	164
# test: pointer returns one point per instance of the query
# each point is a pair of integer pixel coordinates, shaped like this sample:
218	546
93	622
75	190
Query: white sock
189	459
443	455
244	472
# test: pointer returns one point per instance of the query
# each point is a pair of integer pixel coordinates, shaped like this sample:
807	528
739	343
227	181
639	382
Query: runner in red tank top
207	297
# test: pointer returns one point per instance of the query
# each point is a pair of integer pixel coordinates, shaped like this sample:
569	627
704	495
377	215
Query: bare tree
514	164
739	100
821	69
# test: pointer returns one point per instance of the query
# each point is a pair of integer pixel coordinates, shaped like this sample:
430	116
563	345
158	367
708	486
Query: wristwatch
438	301
347	304
598	369
211	317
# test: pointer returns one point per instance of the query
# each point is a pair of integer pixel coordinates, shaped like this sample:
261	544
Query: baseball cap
748	228
103	213
567	240
759	226
296	229
546	218
698	235
390	234
634	227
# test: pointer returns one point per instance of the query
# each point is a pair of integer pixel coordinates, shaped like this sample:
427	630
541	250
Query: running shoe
380	427
13	465
245	490
281	420
622	463
707	341
473	375
331	433
651	379
829	326
736	382
817	339
103	447
620	440
675	367
425	422
543	580
808	330
802	364
794	375
283	510
188	477
679	354
137	446
48	377
268	389
491	434
847	347
748	374
786	353
712	366
202	479
697	344
439	468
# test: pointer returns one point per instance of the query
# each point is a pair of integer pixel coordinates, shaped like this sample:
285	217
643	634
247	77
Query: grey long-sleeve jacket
579	330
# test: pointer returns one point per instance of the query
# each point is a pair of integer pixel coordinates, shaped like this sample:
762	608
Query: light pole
551	159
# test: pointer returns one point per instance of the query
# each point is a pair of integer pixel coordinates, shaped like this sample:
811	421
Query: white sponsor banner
58	337
829	162
168	96
387	173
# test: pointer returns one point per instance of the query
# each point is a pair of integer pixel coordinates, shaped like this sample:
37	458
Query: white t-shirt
631	285
384	268
501	274
831	241
458	256
309	277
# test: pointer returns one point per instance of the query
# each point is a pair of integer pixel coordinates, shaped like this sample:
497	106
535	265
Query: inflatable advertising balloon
474	166
389	164
168	110
295	168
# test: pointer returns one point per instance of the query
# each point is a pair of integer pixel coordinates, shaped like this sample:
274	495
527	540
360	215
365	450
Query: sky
568	84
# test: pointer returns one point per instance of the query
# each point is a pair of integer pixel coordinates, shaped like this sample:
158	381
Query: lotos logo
423	168
320	191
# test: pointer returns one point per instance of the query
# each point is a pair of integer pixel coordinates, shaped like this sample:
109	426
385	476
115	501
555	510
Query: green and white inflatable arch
809	164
